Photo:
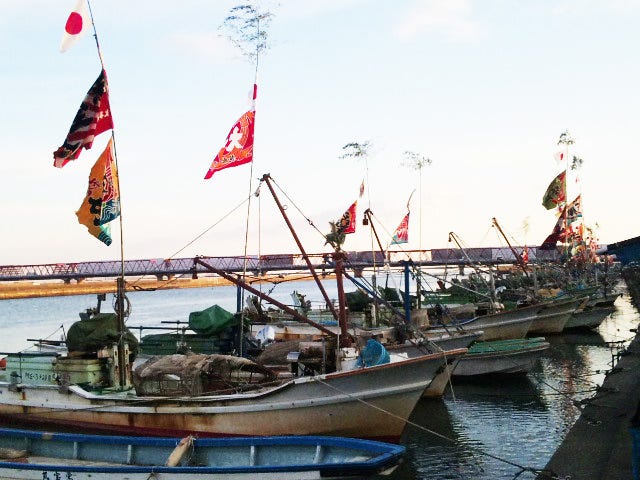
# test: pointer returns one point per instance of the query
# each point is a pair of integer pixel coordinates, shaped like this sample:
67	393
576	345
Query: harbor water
491	428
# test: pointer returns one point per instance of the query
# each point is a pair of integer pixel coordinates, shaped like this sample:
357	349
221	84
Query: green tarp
101	330
211	321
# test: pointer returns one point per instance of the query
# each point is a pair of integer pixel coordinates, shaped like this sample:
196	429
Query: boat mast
122	360
267	179
237	281
518	257
492	293
566	140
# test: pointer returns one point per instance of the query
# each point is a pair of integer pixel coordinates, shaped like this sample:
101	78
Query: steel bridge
262	264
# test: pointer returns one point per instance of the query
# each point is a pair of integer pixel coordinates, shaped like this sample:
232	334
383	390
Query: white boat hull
589	317
554	315
373	402
499	362
498	326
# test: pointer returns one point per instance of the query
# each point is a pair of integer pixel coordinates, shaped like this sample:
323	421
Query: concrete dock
599	445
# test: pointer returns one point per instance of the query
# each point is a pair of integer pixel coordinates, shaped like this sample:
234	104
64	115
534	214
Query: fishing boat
33	455
515	356
372	402
502	325
554	314
594	311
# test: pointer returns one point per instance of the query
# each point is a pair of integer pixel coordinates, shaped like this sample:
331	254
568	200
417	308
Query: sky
481	88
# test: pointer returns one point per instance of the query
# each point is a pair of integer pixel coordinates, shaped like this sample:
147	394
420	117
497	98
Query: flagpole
120	290
95	34
566	140
254	94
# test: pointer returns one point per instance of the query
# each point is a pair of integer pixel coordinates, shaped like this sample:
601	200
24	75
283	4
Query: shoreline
55	288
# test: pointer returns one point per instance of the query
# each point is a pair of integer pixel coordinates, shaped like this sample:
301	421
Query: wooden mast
122	350
267	179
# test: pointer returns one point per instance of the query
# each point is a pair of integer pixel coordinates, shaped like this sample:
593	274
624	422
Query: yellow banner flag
102	202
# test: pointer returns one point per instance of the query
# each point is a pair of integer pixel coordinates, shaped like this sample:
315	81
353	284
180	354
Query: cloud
450	18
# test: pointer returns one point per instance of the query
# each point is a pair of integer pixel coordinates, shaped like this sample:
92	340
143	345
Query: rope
298	209
197	237
420	427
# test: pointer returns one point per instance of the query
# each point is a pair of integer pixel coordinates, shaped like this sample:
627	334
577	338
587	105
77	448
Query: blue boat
37	455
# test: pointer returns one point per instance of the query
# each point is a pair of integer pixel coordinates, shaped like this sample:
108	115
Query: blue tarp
372	354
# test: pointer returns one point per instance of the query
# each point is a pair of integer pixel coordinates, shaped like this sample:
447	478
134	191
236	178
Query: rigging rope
425	429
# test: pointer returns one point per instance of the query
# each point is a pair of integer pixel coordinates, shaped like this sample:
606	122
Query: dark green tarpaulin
211	321
101	330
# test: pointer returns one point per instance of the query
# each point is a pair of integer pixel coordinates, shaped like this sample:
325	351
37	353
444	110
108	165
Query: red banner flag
401	234
93	118
558	234
238	148
347	223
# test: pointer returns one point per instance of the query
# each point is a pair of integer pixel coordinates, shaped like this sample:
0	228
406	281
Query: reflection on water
521	420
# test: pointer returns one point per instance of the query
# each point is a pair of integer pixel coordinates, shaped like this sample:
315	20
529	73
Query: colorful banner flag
556	192
77	24
93	118
238	148
101	205
401	235
347	223
574	210
525	255
559	156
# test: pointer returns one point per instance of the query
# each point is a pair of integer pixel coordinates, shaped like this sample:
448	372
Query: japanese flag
77	24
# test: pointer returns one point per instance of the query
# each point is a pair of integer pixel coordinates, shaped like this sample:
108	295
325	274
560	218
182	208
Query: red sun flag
77	24
238	149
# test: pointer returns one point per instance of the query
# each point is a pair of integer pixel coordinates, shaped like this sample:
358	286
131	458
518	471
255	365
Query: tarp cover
211	321
97	332
372	354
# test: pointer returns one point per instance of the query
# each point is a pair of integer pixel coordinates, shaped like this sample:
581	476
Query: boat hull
498	326
589	318
373	402
30	455
553	316
500	358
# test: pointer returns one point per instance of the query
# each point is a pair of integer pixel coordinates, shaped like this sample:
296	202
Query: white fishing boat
373	402
515	356
502	325
592	313
554	314
32	455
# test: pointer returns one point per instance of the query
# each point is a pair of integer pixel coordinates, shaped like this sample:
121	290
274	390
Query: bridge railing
264	263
